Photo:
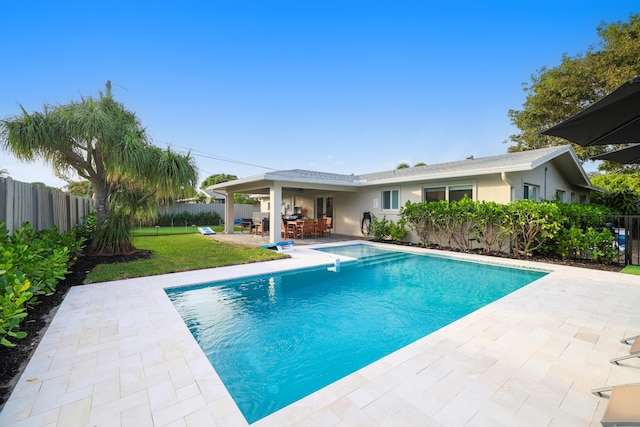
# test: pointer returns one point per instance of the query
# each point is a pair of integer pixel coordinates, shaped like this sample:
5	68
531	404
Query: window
451	193
583	198
457	193
573	197
435	194
390	200
530	192
560	196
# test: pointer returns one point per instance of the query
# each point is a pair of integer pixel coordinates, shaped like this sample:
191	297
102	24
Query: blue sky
334	86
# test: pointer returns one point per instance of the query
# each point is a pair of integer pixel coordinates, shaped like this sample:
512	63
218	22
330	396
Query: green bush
182	218
31	264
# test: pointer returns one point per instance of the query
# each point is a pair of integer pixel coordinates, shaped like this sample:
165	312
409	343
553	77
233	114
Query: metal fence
42	207
240	210
626	230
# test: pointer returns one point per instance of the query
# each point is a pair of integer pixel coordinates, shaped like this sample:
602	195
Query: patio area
118	354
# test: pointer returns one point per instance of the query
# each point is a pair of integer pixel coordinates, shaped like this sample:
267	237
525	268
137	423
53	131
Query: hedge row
199	219
519	228
31	265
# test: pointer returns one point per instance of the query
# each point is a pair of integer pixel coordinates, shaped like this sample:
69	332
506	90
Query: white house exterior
544	174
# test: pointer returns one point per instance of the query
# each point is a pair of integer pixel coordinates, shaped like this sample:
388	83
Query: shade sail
615	119
627	155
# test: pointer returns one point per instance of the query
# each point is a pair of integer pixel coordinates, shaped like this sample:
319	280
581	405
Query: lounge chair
205	231
634	351
623	408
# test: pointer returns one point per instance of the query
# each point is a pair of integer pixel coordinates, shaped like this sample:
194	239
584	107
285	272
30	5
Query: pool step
377	259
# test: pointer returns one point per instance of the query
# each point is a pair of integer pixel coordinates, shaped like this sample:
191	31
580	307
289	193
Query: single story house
553	173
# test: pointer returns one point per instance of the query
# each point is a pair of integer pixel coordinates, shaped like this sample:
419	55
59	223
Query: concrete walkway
118	354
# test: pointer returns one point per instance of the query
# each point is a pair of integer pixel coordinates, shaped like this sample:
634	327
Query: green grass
181	252
632	269
166	231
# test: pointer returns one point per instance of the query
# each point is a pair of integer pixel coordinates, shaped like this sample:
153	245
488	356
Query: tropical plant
104	143
531	223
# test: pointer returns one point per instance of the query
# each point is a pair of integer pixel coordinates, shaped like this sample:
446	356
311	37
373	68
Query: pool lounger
634	351
205	230
286	246
623	408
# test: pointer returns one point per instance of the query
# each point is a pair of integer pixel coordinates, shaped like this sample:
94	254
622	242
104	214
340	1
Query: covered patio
285	190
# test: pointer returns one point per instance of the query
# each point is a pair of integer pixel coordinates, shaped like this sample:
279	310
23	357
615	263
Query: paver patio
118	354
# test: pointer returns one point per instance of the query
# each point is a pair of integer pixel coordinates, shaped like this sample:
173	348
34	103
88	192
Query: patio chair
623	408
321	227
328	225
247	223
308	228
288	230
634	351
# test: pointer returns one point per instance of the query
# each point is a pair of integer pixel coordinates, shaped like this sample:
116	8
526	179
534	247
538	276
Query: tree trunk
101	199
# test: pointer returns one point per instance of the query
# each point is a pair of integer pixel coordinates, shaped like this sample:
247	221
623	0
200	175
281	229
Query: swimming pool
274	339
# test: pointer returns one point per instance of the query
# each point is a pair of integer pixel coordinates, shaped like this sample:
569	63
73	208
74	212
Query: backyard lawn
179	252
632	269
178	229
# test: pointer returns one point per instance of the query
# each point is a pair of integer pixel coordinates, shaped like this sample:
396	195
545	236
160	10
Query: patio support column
229	212
275	213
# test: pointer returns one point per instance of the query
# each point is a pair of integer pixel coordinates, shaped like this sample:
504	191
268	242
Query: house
545	174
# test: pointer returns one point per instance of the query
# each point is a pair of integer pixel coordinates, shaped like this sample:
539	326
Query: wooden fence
42	207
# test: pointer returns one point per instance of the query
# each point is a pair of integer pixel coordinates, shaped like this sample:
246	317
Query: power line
214	157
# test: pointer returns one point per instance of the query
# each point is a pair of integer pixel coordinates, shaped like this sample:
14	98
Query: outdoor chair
308	228
288	230
321	227
623	408
247	223
634	351
328	225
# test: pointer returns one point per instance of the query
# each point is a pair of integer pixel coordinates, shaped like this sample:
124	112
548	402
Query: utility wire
214	157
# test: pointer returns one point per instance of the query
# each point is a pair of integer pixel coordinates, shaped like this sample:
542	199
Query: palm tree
103	143
403	165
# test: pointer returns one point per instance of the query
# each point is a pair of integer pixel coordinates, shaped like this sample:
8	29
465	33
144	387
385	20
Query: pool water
276	338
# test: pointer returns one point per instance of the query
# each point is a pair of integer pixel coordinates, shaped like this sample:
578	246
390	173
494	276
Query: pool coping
118	353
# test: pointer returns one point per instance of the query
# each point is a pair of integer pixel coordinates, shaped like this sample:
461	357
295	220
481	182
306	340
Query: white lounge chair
623	408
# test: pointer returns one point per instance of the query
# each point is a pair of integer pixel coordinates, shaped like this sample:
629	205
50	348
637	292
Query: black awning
615	119
627	155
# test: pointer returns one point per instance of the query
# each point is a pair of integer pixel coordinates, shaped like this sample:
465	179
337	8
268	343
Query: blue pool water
276	338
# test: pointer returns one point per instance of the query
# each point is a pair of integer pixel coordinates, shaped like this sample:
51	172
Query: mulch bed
14	360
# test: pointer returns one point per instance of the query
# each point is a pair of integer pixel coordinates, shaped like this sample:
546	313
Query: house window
457	192
560	196
451	193
531	192
390	200
583	198
435	194
573	197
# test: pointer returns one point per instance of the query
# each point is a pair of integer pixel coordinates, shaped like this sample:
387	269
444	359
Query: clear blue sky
334	86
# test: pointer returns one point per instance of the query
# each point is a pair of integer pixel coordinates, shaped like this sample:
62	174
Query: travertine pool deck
118	354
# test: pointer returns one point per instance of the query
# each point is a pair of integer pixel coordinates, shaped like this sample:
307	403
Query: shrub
380	228
182	218
31	264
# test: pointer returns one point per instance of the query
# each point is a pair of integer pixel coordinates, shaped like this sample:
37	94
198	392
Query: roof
510	162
